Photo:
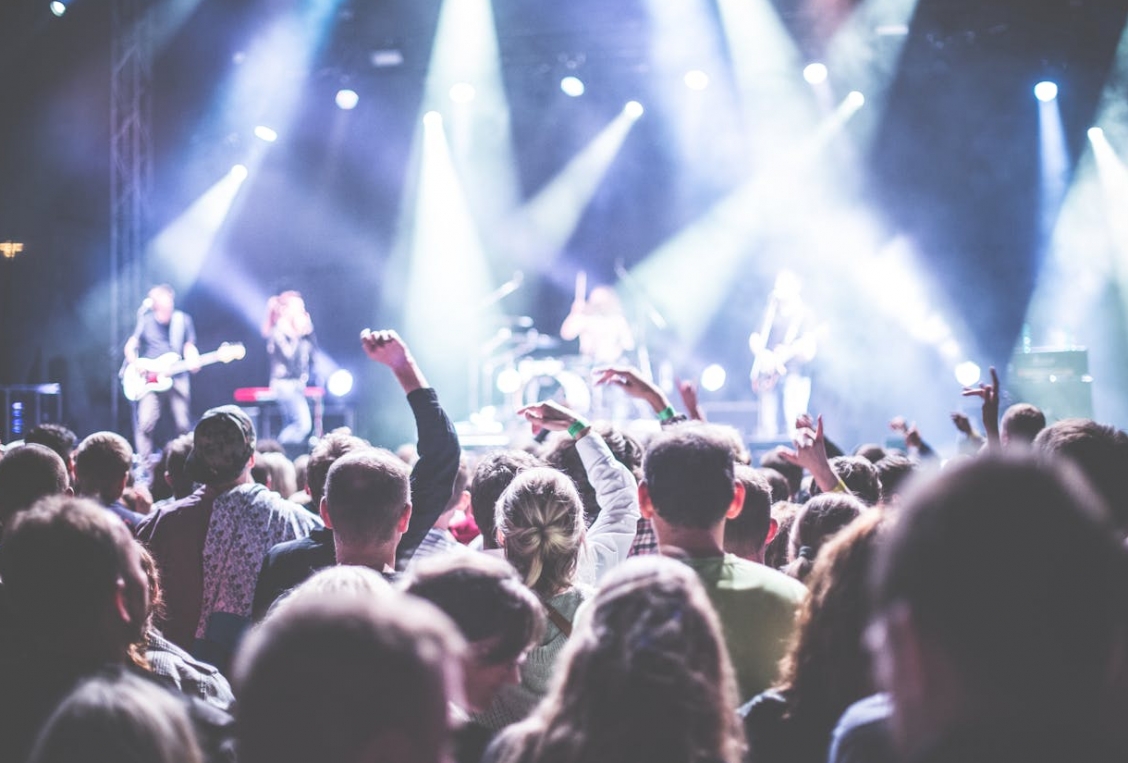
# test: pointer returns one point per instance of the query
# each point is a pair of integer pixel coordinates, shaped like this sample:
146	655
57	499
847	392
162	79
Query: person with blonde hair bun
539	523
645	677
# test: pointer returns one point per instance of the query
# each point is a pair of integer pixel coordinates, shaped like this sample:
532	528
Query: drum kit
523	366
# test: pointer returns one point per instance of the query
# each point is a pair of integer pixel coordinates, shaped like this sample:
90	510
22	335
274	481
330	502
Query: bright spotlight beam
1046	91
181	249
547	221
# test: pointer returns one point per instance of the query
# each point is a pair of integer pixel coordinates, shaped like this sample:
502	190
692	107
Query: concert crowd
591	597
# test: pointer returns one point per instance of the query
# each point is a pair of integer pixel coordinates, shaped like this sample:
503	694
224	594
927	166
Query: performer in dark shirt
288	330
162	331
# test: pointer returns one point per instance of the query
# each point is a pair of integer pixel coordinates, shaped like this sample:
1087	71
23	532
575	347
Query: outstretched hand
688	391
550	415
630	380
810	453
990	395
962	422
388	348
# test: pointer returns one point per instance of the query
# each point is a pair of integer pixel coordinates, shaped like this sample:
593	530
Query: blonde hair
540	518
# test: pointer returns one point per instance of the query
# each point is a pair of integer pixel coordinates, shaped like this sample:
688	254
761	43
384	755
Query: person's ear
120	602
645	505
737	504
773	530
404	520
323	510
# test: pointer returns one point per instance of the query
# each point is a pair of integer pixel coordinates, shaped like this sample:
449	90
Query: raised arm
631	381
432	478
810	453
990	395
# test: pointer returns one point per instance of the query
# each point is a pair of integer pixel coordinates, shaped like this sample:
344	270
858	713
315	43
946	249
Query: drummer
598	322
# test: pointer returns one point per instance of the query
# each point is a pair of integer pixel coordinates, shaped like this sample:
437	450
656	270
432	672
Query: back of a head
563	455
1020	424
820	519
646	676
778	550
781	488
484	597
344	678
1010	568
871	452
859	475
689	473
894	472
61	563
461	484
175	472
791	472
366	492
54	436
28	473
1100	451
348	579
746	533
280	469
540	519
491	477
331	447
101	461
118	717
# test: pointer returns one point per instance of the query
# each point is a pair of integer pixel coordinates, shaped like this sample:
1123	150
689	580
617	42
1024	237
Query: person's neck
378	556
695	542
223	487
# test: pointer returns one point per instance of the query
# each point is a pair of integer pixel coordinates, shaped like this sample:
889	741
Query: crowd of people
588	599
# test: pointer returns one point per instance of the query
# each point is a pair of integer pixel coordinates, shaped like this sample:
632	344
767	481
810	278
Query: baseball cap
223	441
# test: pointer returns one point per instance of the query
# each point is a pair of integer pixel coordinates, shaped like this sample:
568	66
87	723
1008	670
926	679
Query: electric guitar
146	375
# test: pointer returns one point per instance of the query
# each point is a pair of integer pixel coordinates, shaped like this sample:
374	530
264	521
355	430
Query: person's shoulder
737	573
170	514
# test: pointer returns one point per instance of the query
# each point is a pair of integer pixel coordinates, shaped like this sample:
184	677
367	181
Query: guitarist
784	344
161	329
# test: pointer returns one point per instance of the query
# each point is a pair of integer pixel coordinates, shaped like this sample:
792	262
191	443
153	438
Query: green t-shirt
757	607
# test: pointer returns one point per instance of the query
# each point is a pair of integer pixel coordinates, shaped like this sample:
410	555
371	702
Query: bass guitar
146	375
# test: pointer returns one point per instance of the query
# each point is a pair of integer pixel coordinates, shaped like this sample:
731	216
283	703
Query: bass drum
561	386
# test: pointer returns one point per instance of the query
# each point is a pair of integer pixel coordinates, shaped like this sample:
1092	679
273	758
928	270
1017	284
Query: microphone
146	306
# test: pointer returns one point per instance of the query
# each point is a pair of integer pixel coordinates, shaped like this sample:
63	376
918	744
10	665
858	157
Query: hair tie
806	552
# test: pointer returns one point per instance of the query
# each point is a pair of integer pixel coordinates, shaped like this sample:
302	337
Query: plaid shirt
646	540
178	670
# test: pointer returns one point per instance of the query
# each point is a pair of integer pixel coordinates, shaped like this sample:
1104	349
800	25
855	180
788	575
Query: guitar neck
180	366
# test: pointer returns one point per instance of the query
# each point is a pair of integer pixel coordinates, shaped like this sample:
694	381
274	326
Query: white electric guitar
146	375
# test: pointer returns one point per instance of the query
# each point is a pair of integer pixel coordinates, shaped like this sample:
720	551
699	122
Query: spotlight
967	373
856	99
239	172
713	378
572	86
1095	133
347	99
633	109
340	383
462	92
815	73
432	119
1045	91
262	132
696	79
58	8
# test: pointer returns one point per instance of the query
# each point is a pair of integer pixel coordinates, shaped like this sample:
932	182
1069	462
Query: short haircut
689	475
860	477
326	679
331	447
792	472
366	492
492	476
749	530
1013	569
894	472
484	597
781	488
461	483
54	436
28	473
1100	451
177	451
61	561
778	549
118	716
563	455
100	462
871	452
1021	424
